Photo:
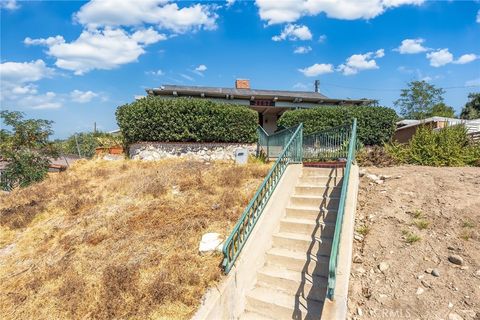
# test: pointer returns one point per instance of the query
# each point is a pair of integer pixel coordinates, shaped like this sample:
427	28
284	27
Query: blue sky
74	62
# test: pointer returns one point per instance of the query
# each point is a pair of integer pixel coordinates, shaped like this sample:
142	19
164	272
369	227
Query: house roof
407	123
250	94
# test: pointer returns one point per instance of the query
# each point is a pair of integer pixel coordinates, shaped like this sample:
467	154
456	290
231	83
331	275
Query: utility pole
94	128
317	86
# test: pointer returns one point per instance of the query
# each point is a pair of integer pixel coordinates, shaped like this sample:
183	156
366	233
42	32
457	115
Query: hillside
410	230
118	239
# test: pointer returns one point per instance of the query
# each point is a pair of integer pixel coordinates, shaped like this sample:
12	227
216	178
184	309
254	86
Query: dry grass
111	240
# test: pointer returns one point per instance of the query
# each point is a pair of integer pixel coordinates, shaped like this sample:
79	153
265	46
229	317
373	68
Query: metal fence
271	146
328	144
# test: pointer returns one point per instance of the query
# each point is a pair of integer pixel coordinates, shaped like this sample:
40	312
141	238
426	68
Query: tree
418	99
472	107
26	149
442	110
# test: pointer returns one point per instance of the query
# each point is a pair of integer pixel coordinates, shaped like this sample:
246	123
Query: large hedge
375	124
186	120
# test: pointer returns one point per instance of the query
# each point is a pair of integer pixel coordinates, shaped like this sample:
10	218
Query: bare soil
411	224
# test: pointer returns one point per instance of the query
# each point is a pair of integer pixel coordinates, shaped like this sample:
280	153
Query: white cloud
156	73
302	49
317	69
9	5
466	58
82	96
18	89
201	68
230	3
48	100
185	76
21	72
359	62
148	36
380	53
478	16
50	41
294	32
440	57
99	49
274	11
473	83
322	38
411	46
103	13
300	86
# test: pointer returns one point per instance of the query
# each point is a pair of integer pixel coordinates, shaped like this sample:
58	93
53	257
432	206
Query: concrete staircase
292	283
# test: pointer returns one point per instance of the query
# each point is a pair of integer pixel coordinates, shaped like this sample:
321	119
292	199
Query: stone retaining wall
200	151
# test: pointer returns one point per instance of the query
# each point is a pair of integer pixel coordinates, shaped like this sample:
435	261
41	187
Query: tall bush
446	147
184	120
376	125
26	149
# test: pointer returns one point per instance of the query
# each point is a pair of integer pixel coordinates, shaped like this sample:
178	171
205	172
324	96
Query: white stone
383	266
454	316
420	291
210	242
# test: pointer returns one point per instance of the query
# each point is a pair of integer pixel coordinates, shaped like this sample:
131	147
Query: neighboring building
270	104
407	128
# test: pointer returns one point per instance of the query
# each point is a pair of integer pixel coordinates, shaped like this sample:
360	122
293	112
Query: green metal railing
328	144
292	153
332	267
271	146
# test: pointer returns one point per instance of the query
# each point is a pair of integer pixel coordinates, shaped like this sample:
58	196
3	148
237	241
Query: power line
372	89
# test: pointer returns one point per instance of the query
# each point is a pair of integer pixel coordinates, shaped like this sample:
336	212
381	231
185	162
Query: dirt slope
117	240
411	224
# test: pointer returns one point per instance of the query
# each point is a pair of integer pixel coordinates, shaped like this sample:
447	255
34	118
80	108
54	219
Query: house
407	128
270	104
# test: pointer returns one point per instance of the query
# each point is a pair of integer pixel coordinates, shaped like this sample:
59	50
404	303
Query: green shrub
446	147
376	125
186	119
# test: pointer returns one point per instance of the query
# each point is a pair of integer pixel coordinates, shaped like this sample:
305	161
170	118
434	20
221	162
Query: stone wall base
151	151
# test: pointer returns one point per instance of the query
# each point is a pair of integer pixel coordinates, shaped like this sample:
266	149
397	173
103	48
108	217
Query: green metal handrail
328	144
271	146
332	267
292	153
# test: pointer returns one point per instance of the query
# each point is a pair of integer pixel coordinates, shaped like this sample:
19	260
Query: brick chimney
242	84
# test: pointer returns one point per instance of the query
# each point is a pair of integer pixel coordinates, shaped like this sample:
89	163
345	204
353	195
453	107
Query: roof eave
280	98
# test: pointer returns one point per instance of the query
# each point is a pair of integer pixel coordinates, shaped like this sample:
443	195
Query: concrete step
294	283
314	201
306	171
316	190
303	243
321	215
321	180
277	305
309	227
298	261
254	316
